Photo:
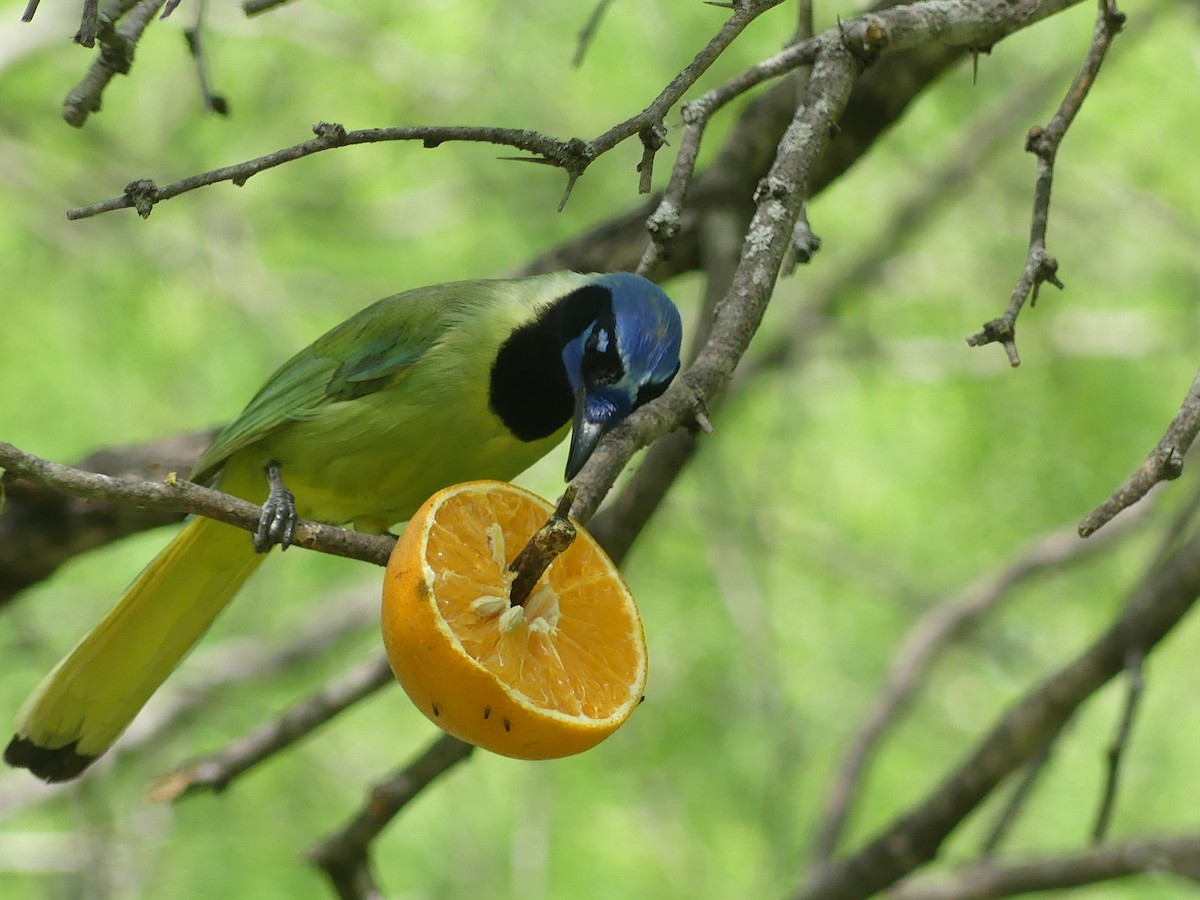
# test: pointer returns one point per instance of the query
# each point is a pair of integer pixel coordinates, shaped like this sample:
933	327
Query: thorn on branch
574	156
977	52
700	422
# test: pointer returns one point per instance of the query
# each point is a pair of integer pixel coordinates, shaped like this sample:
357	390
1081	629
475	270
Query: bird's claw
278	521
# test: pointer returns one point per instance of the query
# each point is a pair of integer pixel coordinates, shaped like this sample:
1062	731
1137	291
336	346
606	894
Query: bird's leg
279	515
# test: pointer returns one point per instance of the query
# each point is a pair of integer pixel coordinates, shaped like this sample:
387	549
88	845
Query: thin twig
343	855
215	771
1017	800
588	32
1164	463
195	40
572	156
183	496
142	195
1040	267
1116	750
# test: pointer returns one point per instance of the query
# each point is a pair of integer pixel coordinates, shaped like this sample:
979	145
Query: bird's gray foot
279	516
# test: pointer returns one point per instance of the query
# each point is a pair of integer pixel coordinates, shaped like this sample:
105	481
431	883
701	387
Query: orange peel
547	678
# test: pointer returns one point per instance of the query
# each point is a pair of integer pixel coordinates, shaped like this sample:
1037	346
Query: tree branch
780	197
1040	266
179	496
572	156
343	855
42	527
1164	463
1166	593
1116	750
215	771
945	622
117	45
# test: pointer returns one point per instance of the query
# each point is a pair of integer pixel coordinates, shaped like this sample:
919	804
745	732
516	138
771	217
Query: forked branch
1040	267
1167	593
573	156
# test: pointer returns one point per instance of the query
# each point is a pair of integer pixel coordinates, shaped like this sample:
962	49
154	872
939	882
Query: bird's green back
452	330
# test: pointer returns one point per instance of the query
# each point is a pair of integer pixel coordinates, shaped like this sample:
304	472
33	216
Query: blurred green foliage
838	499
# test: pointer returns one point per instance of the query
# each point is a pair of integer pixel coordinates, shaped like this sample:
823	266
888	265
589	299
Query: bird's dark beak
587	429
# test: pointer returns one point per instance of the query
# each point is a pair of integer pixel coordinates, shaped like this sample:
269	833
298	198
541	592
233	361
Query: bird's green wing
369	351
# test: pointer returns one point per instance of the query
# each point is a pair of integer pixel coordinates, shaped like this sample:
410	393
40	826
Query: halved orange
549	678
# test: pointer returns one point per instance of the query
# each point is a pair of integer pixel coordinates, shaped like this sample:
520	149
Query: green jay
442	384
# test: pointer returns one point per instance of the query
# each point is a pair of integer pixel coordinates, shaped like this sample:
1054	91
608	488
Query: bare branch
988	880
177	495
1116	750
142	195
572	156
195	40
343	855
41	527
780	197
117	45
589	31
215	771
1017	799
1164	463
1167	592
617	525
945	622
778	203
1040	266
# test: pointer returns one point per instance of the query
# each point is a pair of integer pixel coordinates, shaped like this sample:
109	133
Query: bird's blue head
625	357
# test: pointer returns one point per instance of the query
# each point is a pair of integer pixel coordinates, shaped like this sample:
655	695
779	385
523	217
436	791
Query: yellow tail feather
89	698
